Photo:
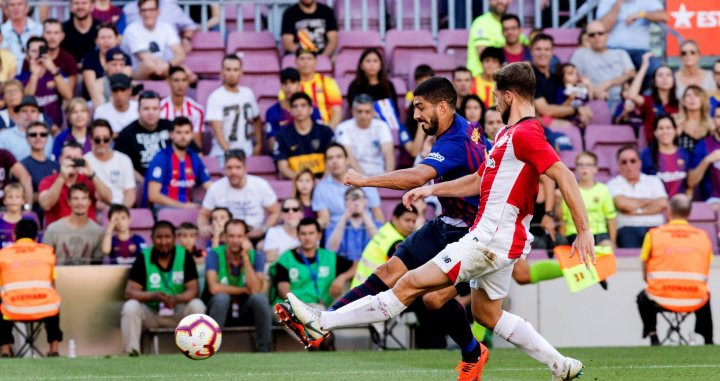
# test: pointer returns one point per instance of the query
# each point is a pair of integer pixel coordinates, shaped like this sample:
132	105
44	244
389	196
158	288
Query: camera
77	163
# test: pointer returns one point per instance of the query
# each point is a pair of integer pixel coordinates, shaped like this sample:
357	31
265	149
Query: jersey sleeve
445	156
211	261
531	147
156	169
202	173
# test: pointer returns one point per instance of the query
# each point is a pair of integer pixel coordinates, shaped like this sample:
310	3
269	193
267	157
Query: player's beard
181	148
433	125
505	116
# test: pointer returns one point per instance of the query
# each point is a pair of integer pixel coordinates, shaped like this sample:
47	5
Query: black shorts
423	244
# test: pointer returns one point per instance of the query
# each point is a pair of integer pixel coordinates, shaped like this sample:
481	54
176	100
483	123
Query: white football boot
573	369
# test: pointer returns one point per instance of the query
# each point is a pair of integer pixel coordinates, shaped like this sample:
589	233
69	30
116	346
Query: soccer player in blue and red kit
458	151
176	170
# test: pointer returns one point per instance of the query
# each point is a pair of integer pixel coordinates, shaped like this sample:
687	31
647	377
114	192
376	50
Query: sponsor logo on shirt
490	163
436	156
475	136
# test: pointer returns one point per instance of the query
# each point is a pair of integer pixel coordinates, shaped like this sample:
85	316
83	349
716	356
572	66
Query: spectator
329	194
233	113
514	49
705	164
665	159
55	189
463	83
547	87
282	238
294	271
693	120
367	140
213	16
170	13
153	302
113	168
18	29
629	26
119	244
483	85
77	239
715	94
78	117
485	31
218	218
472	109
54	36
81	30
121	111
14	139
322	89
12	94
95	64
627	111
14	200
9	166
153	44
639	199
371	78
310	26
302	144
278	116
187	238
355	228
176	170
105	12
411	137
249	198
383	244
690	72
606	68
37	163
8	69
303	186
670	249
142	139
235	281
22	265
179	104
575	89
662	99
44	80
598	202
492	123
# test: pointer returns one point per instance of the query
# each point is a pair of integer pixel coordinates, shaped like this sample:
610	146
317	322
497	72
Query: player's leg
381	280
538	271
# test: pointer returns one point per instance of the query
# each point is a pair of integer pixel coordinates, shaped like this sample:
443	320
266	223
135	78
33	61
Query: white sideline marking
353	372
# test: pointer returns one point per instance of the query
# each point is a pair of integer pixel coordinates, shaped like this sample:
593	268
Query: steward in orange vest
27	272
676	264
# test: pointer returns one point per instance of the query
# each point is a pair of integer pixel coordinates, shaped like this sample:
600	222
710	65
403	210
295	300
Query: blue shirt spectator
354	240
329	195
277	118
177	176
13	140
17	43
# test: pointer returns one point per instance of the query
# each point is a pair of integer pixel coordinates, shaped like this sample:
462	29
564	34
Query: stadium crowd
253	198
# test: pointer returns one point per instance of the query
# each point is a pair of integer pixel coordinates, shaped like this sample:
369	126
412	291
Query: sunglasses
688	53
102	140
38	134
593	34
628	161
286	210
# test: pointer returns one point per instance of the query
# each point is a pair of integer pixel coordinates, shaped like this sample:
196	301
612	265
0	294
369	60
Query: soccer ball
198	336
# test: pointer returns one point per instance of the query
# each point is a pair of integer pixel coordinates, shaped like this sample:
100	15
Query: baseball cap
28	100
120	81
116	54
289	74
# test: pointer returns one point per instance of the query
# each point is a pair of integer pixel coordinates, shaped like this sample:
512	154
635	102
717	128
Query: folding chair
29	335
674	320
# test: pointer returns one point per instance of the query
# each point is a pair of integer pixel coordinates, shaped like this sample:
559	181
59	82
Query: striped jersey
190	109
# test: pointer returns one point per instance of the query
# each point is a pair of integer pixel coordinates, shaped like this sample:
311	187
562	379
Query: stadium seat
564	53
442	64
262	166
453	42
564	36
141	222
204	88
568	158
408	20
355	41
283	188
251	41
573	133
391	194
324	66
604	140
205	64
344	84
160	87
601	112
387	207
208	41
248	15
178	215
212	166
703	216
346	64
401	44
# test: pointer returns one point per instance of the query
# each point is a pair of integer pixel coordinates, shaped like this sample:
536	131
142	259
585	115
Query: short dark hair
37	123
460	69
148	94
307	221
108	25
300	95
141	2
235	153
98	124
236	221
34	39
162	224
51	21
337	145
542	37
220	208
70	144
175	69
436	90
492	52
26	228
423	71
181	121
187	226
589	154
400	209
510	16
517	77
627	147
117	208
78	187
231	57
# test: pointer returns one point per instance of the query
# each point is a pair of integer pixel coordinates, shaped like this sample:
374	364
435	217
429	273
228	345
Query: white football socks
370	309
521	333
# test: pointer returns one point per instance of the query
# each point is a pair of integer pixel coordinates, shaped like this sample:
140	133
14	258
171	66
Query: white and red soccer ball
198	336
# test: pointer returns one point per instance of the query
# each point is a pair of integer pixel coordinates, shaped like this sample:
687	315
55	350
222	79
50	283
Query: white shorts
467	260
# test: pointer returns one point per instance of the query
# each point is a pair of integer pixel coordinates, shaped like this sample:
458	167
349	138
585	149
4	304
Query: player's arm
402	179
466	186
215	287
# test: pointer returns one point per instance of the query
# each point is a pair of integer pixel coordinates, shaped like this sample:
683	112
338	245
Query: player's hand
354	178
336	288
416	194
584	245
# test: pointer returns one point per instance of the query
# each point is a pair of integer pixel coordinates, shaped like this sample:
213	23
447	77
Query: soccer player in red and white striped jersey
178	104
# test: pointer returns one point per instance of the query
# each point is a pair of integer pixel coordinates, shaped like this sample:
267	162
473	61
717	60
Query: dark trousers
631	236
649	309
52	328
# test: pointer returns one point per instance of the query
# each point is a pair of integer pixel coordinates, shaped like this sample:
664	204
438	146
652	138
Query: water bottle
72	349
235	310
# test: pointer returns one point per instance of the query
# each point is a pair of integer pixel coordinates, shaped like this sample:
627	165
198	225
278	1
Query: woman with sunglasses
282	238
78	118
113	168
693	121
690	72
665	159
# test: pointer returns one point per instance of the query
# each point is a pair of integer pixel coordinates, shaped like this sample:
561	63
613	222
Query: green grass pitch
615	364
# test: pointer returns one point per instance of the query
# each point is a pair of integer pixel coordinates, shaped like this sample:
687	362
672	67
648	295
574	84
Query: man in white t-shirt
121	110
249	198
113	168
367	139
153	45
179	104
233	113
640	199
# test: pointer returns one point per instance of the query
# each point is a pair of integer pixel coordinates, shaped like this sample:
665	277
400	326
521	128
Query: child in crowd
218	218
187	238
119	245
491	59
14	199
628	111
575	91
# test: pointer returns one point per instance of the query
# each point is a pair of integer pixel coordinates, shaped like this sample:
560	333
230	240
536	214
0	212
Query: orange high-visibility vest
27	293
678	267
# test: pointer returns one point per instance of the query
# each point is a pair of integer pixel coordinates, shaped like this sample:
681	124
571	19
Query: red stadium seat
605	140
452	41
204	88
564	36
251	41
442	64
401	44
141	222
601	112
160	87
212	166
282	188
262	166
205	63
703	216
208	41
178	215
356	40
573	133
356	14
390	194
564	53
346	64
